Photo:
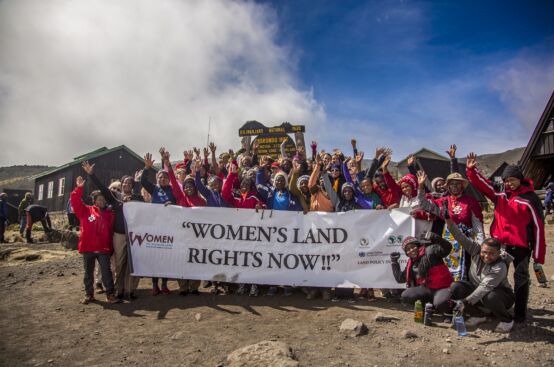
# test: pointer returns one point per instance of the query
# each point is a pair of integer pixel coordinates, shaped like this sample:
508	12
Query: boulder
69	240
353	327
264	353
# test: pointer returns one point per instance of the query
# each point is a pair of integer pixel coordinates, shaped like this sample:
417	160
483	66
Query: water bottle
428	314
418	312
460	325
539	273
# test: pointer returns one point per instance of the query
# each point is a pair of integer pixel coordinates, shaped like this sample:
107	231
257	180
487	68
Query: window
61	186
40	192
50	190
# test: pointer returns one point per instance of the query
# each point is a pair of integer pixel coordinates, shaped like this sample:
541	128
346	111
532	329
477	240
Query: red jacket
181	198
96	225
438	276
513	217
461	208
392	194
247	201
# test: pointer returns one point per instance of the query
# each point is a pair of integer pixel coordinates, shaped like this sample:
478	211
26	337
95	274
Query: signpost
269	139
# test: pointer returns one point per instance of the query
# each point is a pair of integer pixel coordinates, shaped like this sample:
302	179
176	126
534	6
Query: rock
32	257
353	327
381	317
4	254
446	351
407	334
552	277
264	353
177	336
50	361
69	240
198	316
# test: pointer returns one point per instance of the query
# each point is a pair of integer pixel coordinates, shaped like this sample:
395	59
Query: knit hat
115	185
302	179
456	177
435	181
512	171
281	173
410	180
409	240
346	185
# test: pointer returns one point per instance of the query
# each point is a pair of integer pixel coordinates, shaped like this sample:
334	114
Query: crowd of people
452	265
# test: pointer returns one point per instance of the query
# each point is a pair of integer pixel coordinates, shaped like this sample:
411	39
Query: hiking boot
166	290
99	288
474	321
155	290
504	327
110	298
88	299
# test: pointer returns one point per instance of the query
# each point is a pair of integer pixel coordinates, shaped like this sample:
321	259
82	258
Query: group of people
451	265
28	214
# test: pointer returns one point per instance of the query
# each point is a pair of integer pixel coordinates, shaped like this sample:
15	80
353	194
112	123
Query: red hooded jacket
513	215
182	198
247	201
96	225
438	276
392	194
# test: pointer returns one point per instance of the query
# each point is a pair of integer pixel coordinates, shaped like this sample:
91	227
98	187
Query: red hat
408	241
410	180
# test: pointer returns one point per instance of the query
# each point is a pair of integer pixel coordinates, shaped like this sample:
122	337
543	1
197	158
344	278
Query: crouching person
488	281
95	241
426	276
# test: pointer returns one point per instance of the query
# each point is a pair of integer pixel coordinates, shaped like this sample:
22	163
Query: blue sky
422	66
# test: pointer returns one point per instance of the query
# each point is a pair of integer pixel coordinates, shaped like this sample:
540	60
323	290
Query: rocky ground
43	324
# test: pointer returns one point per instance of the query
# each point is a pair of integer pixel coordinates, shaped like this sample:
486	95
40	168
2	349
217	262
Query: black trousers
89	261
2	228
499	300
522	256
438	297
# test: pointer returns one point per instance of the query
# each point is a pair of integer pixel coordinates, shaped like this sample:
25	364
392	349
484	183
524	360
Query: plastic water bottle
428	314
539	273
418	312
460	325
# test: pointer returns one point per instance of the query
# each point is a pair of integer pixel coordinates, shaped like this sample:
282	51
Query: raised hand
394	256
206	153
80	181
138	175
296	167
452	151
148	161
385	164
471	160
255	146
314	145
164	154
301	151
379	151
87	167
196	152
212	147
421	178
359	157
353	142
232	168
231	153
411	159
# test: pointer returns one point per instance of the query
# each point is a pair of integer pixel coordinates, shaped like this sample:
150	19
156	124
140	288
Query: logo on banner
151	240
394	240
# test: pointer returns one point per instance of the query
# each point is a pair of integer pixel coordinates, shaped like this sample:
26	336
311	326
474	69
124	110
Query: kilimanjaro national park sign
269	139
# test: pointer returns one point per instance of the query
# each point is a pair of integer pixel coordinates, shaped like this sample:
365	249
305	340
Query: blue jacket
267	193
213	198
160	195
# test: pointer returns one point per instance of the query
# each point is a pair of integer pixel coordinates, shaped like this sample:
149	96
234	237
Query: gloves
394	256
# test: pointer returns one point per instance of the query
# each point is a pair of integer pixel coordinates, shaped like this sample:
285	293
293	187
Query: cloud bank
76	75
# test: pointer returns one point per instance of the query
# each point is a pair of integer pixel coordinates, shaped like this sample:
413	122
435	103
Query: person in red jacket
385	186
426	276
248	198
95	240
518	225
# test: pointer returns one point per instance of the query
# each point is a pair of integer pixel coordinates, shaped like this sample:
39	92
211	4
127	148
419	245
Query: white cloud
76	75
525	83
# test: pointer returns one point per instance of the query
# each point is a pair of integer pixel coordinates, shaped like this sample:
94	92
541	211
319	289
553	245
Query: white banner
267	247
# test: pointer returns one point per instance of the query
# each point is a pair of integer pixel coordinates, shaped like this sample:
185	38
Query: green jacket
22	206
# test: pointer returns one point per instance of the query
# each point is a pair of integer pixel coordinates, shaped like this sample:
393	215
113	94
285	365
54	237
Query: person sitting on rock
426	276
37	213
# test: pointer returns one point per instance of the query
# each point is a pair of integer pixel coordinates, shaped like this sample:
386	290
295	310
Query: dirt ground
43	324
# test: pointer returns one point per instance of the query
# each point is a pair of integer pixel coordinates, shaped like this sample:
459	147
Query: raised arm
329	189
148	164
454	167
471	247
314	177
79	208
399	275
175	187
412	164
477	179
107	193
227	189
